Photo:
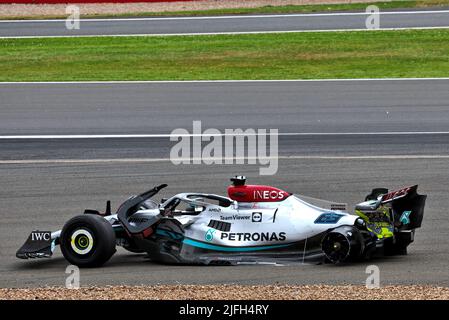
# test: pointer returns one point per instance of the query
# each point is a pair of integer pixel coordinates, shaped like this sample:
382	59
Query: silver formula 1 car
254	224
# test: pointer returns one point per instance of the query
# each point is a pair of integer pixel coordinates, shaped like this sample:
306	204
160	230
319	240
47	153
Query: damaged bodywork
253	224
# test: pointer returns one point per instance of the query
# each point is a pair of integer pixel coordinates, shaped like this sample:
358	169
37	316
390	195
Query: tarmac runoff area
231	24
44	195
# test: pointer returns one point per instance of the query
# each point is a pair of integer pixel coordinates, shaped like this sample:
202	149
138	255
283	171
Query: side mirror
235	204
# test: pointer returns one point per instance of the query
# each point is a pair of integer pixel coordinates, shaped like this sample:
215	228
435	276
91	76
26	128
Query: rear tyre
87	241
343	244
336	247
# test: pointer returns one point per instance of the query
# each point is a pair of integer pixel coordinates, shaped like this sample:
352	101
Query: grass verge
352	54
383	5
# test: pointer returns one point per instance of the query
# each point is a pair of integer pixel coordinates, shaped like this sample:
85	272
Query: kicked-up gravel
50	10
229	292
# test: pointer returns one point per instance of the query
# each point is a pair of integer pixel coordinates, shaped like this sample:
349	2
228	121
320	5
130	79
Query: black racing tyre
343	244
87	241
336	247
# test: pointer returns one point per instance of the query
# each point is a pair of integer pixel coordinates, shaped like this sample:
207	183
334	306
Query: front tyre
87	241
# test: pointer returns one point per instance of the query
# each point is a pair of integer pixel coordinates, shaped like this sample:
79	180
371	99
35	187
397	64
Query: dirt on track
229	292
30	10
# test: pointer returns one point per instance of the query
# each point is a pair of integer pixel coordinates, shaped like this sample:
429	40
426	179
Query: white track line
267	16
152	160
215	81
163	135
223	33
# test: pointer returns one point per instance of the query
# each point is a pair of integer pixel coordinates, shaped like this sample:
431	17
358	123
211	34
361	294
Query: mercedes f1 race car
253	224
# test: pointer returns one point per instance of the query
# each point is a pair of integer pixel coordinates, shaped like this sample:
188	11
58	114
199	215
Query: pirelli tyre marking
81	241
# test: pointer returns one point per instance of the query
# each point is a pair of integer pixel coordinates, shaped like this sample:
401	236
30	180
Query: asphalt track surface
225	24
42	192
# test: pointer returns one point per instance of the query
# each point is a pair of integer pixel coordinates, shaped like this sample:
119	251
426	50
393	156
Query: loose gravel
229	292
30	10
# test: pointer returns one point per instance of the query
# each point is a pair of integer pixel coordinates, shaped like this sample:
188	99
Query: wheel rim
81	241
336	247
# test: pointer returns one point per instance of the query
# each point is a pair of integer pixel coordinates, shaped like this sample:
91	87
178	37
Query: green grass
268	9
365	54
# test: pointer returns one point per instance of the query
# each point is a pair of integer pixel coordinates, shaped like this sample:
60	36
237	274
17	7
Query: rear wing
408	208
406	204
399	194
